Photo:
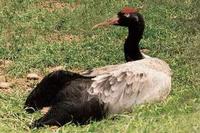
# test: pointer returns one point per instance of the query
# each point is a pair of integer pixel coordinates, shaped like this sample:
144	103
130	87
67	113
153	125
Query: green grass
28	38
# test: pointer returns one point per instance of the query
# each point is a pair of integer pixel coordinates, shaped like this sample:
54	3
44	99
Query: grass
40	34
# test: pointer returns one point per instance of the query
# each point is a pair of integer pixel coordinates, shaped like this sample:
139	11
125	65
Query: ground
37	36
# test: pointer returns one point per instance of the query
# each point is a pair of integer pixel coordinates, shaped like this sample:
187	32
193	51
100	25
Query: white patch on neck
136	17
145	56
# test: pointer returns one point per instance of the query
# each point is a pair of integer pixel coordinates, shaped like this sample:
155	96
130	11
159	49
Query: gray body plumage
122	86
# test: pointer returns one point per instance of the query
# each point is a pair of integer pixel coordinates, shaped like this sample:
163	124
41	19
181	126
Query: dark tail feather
78	113
47	89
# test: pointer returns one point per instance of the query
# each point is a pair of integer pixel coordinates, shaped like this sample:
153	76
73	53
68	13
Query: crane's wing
122	88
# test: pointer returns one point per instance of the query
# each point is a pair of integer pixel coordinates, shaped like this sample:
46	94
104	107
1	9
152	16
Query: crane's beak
112	21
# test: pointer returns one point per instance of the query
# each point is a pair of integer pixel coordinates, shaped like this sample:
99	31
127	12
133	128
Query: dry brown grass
57	37
53	5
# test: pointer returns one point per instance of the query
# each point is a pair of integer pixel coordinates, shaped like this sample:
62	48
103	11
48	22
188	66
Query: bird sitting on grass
101	92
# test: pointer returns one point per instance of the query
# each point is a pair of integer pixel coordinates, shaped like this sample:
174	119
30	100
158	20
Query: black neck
131	46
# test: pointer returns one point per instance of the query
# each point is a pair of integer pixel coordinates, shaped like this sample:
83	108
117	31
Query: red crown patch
127	10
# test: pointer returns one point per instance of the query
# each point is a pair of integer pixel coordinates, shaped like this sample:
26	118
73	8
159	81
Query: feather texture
122	86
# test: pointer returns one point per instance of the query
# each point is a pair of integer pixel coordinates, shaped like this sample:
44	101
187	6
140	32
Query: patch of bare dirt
21	83
53	5
6	87
2	78
9	84
5	84
59	38
6	91
27	82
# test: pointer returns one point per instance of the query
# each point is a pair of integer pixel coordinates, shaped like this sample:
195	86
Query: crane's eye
127	15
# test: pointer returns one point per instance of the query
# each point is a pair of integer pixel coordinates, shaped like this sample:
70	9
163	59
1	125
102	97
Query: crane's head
127	17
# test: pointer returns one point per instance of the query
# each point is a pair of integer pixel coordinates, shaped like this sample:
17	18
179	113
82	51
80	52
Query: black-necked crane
100	92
